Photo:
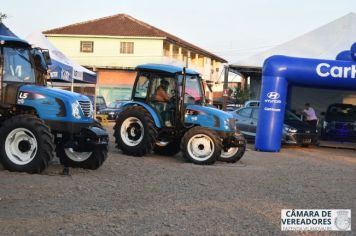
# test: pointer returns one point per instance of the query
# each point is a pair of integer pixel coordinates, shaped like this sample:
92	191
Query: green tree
2	16
240	95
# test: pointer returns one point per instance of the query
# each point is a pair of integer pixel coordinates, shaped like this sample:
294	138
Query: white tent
324	42
62	67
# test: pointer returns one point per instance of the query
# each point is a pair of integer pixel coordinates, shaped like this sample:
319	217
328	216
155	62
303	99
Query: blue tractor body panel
210	117
148	108
52	104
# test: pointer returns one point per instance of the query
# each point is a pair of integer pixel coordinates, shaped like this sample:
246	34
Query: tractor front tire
86	160
201	146
135	132
26	144
232	155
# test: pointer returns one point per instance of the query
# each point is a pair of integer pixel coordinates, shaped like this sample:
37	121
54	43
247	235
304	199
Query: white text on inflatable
325	70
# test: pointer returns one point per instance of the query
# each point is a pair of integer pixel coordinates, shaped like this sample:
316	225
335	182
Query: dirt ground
156	195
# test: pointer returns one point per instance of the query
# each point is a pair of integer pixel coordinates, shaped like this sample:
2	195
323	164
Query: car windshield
100	100
114	105
17	65
342	113
290	116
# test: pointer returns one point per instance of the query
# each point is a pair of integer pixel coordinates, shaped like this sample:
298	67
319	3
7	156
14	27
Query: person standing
310	115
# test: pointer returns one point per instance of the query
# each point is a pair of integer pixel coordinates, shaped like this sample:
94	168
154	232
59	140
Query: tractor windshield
17	65
193	89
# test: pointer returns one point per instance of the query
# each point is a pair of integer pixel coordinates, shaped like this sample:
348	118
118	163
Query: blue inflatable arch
281	71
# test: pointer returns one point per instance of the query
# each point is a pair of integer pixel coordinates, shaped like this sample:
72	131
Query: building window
126	47
86	46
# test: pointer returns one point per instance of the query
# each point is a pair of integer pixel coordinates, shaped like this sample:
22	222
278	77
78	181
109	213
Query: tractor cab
168	90
20	65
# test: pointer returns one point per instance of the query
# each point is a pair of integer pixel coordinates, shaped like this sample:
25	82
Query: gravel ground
157	195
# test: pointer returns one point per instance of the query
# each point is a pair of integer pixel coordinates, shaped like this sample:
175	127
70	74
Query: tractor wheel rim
21	146
201	147
132	131
77	156
229	153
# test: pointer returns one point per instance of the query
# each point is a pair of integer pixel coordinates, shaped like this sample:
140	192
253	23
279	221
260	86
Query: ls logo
22	97
273	95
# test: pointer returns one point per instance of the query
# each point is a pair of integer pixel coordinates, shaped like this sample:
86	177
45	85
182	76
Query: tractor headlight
76	110
230	124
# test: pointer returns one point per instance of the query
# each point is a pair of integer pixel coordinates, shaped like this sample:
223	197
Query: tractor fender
148	108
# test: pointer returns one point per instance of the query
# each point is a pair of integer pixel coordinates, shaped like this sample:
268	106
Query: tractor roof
13	40
166	68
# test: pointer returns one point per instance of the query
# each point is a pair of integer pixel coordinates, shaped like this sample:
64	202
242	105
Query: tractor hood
56	104
58	93
210	117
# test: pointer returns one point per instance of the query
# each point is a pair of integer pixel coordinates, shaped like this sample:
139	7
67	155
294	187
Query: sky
232	29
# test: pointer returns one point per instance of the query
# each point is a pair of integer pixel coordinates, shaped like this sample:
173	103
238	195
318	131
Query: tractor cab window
163	94
193	90
17	66
141	87
163	88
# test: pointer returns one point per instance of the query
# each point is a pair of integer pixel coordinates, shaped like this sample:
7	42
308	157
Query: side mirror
46	56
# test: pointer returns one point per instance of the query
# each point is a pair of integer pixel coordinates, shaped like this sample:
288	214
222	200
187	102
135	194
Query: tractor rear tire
232	155
26	144
201	146
170	149
135	131
86	160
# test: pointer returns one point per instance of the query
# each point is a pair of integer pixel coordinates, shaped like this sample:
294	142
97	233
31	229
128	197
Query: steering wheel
172	99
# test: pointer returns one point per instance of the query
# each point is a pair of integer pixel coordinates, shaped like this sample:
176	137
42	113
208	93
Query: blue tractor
36	121
167	114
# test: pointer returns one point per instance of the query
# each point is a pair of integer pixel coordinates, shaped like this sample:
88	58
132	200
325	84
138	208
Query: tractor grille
86	108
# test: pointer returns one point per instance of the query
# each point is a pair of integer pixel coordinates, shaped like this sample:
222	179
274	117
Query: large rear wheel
201	146
135	132
26	144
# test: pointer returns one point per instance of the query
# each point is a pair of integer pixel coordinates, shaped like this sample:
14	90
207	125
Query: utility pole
225	87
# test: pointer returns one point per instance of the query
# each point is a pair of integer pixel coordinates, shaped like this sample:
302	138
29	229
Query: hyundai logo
273	95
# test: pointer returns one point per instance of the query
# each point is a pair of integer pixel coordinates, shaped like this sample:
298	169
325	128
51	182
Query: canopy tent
324	42
62	69
6	31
